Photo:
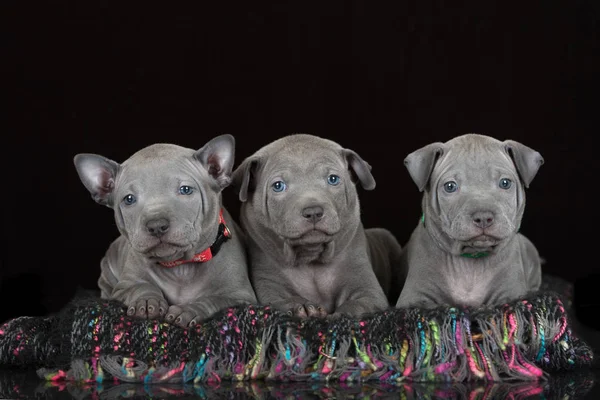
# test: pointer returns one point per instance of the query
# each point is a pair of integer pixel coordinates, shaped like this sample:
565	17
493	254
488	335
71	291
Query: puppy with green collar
466	250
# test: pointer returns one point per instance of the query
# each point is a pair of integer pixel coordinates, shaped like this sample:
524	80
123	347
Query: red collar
222	236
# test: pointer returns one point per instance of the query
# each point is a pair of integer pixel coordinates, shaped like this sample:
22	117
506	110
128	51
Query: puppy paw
148	308
307	310
184	316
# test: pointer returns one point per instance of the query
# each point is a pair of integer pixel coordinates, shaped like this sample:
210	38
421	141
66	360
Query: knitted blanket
93	339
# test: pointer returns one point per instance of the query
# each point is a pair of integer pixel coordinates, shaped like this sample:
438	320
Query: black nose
157	227
483	219
314	213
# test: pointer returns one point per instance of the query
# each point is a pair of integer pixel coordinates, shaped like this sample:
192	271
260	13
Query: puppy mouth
313	237
480	243
483	240
166	251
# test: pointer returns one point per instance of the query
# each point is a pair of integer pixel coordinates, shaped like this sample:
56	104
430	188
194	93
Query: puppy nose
313	213
157	227
483	219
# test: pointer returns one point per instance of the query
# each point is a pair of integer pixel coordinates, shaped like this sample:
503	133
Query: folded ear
420	163
243	177
527	161
98	175
360	169
217	156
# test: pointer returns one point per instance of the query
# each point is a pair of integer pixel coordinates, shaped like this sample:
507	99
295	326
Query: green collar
479	254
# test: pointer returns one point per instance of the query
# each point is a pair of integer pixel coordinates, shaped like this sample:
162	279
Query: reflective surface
24	384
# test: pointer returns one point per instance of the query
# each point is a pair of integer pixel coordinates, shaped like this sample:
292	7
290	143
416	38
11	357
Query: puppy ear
420	163
242	177
527	161
360	168
98	175
217	156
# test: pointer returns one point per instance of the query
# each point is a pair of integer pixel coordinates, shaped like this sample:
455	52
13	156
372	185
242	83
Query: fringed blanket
93	339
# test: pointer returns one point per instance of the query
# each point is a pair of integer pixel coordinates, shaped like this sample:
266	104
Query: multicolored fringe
92	340
520	341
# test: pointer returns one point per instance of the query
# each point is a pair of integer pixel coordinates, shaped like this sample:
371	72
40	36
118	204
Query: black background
381	78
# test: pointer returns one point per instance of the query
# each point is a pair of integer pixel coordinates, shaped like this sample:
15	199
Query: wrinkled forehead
474	161
304	161
157	170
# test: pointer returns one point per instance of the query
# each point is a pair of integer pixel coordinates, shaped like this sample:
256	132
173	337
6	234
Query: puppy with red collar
180	255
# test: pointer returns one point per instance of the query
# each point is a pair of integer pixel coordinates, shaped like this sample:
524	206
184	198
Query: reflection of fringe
20	384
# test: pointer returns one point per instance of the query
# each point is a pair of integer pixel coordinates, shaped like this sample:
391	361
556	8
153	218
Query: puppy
300	210
467	251
180	255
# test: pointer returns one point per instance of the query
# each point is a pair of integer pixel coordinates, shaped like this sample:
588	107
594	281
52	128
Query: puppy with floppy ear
309	253
466	250
180	255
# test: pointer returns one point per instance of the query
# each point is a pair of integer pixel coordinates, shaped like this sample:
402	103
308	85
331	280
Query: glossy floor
24	384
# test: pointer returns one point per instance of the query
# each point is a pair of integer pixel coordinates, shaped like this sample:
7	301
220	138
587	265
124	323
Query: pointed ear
359	169
217	156
242	177
98	175
527	161
420	163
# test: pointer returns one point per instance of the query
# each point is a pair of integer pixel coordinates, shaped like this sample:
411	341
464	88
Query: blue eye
278	186
505	183
333	179
186	190
129	199
450	186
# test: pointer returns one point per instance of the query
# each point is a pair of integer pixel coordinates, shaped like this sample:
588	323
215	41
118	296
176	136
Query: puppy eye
505	183
129	199
278	186
333	180
450	186
186	190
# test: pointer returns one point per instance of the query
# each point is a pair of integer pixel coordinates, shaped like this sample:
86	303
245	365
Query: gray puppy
467	251
180	254
300	210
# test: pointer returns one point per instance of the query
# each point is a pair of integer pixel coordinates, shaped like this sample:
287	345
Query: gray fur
130	272
305	266
436	273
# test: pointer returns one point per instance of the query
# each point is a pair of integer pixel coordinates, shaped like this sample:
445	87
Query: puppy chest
313	284
469	287
182	284
467	293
